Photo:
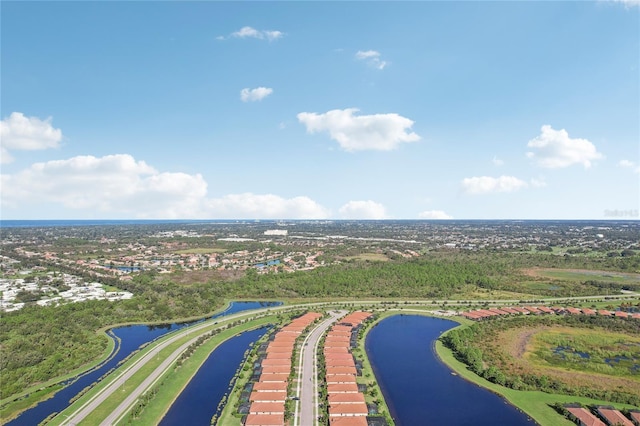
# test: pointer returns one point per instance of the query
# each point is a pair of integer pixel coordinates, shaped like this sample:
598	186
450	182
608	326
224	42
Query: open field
371	257
536	404
201	250
584	275
613	354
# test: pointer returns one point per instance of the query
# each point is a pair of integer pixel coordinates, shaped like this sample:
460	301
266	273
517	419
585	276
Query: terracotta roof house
348	410
348	421
279	355
341	378
270	387
342	388
613	417
268	362
345	398
267	408
268	396
265	420
274	377
278	369
336	350
332	370
584	417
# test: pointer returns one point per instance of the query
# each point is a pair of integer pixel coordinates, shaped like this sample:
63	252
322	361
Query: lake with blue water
419	389
199	401
131	338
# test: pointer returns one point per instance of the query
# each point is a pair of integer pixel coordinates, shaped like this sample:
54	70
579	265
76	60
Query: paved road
307	390
197	330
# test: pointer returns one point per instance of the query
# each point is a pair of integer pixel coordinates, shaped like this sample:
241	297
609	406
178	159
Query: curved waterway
419	389
128	339
199	401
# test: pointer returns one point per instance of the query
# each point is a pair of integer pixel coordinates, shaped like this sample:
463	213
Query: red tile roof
585	416
357	409
348	421
268	396
266	408
270	386
345	398
265	420
614	417
342	388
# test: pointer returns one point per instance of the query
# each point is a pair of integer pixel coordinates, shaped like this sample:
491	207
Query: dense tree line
39	343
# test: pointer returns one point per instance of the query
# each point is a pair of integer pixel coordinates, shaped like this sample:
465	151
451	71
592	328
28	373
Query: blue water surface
199	401
419	389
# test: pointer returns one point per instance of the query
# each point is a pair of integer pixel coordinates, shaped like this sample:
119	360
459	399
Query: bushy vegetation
475	346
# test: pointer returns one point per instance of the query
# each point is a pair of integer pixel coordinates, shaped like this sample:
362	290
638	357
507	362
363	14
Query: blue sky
341	110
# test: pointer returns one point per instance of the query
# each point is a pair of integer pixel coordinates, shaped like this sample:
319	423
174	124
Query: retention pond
419	389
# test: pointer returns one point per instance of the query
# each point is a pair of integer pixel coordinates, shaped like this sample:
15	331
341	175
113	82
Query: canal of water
199	401
131	338
419	389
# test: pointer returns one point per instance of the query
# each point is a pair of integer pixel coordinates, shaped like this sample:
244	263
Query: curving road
88	407
307	390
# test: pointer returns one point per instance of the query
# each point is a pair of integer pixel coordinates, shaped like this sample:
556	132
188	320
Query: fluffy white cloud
372	58
382	132
487	185
121	186
114	183
257	94
363	210
250	32
267	206
629	165
18	132
555	149
434	214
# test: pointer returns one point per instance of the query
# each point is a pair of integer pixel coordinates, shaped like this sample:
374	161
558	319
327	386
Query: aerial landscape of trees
43	342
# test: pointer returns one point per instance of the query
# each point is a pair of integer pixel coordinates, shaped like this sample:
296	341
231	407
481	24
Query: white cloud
627	3
363	210
434	214
18	132
538	183
381	132
267	206
119	185
629	165
487	185
372	58
555	149
497	162
257	94
250	32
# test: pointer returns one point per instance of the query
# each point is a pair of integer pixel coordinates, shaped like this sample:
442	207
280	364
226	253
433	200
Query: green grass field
585	275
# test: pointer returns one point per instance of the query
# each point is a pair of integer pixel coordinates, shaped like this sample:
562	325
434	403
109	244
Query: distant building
279	232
